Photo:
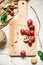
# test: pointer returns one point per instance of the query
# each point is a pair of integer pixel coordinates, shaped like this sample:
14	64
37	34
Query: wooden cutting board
16	44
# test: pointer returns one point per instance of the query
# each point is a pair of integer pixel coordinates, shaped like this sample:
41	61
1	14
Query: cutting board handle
22	9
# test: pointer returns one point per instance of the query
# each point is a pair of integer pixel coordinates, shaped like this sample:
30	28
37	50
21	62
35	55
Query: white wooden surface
7	60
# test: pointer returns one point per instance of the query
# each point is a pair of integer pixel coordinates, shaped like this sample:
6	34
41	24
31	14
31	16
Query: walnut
33	60
1	1
26	39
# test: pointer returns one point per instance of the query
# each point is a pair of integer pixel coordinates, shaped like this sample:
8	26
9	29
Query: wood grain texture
15	38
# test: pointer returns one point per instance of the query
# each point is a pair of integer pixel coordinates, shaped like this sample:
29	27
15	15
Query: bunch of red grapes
30	32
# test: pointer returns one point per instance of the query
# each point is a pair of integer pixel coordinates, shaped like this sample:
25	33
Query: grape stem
39	25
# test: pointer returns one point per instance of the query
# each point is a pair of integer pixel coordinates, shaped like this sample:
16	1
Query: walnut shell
1	1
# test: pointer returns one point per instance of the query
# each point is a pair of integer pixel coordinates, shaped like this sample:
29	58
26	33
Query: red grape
30	43
26	32
12	13
23	53
29	22
33	38
31	27
32	33
22	31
